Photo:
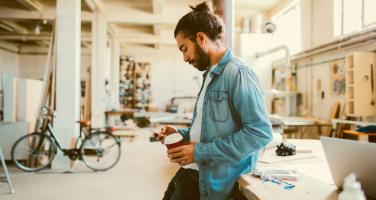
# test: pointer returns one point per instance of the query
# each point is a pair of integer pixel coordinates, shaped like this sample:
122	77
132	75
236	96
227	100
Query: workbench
295	124
315	183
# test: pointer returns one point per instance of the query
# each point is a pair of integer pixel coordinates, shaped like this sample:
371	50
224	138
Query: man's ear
201	38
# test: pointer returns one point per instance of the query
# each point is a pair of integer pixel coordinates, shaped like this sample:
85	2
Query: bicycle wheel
100	151
33	152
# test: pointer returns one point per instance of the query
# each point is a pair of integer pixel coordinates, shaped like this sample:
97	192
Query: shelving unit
360	84
134	87
283	93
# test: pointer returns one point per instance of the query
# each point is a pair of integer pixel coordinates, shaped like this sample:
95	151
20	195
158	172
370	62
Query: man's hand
167	130
182	155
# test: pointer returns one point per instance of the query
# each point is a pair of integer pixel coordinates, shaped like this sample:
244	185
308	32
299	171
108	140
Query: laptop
346	156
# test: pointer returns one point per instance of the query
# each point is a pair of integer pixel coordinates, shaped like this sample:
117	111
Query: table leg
6	172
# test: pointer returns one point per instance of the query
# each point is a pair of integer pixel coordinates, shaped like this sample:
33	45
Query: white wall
32	66
318	29
169	75
322	19
9	66
9	63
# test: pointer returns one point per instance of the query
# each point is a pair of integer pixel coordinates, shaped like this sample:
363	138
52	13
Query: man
230	123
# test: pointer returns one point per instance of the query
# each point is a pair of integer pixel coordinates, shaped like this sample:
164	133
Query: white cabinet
9	134
28	101
361	84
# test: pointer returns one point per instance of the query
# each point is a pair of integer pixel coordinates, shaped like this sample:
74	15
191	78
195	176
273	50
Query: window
288	27
353	15
369	12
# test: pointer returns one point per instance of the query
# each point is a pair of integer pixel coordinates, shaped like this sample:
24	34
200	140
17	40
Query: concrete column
68	29
225	9
99	48
115	66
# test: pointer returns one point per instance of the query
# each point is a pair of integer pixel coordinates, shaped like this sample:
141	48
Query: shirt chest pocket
219	109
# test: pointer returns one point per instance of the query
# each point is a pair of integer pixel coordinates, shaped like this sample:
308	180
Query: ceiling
149	23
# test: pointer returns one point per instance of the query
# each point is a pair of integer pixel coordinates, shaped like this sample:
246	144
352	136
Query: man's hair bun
201	19
203	7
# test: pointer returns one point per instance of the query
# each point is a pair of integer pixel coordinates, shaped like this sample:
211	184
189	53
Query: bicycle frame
50	129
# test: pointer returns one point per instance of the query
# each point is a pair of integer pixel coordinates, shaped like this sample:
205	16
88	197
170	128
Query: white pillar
115	67
68	30
99	48
225	9
229	21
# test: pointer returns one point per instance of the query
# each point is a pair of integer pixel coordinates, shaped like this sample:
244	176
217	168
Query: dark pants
184	186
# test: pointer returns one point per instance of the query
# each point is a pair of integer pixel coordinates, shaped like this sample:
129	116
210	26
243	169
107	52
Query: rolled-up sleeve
185	133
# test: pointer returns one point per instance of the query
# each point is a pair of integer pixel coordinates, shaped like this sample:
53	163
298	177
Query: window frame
364	26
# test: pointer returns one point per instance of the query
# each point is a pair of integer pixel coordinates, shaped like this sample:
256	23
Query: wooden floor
143	172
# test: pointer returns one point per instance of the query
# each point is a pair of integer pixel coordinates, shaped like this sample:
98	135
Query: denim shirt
235	127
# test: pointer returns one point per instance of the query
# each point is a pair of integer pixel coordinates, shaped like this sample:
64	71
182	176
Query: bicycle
98	149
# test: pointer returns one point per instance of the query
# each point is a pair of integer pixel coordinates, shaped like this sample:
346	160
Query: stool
7	178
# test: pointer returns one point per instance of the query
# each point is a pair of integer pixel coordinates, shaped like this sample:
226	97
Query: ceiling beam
157	6
116	16
146	40
38	50
42	43
122	15
91	5
135	39
130	49
31	5
86	44
157	9
48	13
8	46
35	37
13	27
95	5
157	32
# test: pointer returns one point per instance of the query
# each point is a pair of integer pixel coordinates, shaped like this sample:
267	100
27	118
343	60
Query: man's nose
186	58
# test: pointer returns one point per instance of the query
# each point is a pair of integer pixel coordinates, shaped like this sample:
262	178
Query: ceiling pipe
287	73
337	44
275	49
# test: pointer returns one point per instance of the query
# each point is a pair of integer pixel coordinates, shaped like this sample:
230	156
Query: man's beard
202	60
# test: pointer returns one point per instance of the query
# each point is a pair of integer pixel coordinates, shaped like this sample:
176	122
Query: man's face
192	52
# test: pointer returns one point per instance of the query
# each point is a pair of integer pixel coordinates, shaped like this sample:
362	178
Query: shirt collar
217	69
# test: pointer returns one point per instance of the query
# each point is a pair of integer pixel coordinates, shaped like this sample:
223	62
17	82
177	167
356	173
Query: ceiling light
37	29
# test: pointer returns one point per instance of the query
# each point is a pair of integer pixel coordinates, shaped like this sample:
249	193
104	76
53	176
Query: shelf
134	86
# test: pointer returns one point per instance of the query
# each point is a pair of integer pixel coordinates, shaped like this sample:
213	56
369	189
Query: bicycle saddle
84	123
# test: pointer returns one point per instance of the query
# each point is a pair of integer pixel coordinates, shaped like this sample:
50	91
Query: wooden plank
46	79
87	98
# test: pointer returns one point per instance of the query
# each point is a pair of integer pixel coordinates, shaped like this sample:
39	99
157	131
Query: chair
334	114
7	178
